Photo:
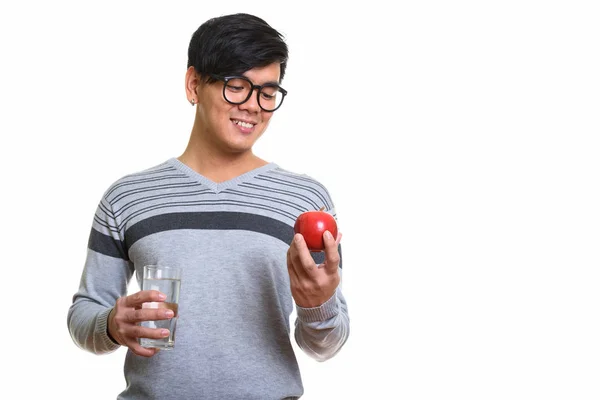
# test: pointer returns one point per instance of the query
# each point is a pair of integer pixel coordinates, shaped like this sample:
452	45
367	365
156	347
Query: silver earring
192	102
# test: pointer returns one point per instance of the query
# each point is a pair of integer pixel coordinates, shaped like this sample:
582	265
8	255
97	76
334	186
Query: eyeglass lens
239	90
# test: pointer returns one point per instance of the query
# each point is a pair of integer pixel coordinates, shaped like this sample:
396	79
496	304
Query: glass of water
166	280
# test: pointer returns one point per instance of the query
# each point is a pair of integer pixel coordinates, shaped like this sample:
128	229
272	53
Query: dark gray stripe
218	220
180	204
107	245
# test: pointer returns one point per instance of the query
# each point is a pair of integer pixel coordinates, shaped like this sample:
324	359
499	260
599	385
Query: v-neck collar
218	187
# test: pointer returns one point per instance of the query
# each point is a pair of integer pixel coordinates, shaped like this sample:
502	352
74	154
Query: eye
269	92
235	88
237	85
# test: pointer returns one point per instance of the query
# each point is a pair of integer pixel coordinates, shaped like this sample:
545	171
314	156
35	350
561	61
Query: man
226	218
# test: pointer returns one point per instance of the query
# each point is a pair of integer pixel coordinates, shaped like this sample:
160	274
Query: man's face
234	128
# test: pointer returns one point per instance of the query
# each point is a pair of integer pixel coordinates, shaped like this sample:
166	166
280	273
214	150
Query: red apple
312	225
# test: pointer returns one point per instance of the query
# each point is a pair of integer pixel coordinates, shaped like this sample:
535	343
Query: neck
215	164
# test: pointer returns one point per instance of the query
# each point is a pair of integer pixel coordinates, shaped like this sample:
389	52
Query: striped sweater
230	238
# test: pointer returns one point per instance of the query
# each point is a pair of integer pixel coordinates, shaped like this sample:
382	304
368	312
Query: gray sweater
230	238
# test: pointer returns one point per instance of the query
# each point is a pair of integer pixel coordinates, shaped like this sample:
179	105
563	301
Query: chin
244	142
239	146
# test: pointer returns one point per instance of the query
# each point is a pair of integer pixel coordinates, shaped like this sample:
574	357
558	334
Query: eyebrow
264	83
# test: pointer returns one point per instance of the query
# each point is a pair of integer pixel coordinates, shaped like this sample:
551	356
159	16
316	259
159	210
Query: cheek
222	113
266	117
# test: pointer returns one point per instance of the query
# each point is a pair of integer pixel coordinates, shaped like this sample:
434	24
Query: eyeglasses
238	89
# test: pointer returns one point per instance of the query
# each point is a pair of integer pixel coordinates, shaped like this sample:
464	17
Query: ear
192	82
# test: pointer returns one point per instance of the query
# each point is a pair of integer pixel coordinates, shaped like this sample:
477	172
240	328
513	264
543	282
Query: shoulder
141	178
285	174
301	183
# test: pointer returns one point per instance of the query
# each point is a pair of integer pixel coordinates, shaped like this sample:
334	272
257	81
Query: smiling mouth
243	124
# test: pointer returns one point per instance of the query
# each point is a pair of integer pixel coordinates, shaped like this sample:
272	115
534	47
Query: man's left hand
312	284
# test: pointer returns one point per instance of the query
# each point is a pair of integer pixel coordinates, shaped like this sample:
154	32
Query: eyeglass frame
259	88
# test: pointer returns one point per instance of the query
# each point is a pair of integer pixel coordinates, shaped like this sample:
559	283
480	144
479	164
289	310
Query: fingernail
328	235
169	313
164	332
297	238
162	296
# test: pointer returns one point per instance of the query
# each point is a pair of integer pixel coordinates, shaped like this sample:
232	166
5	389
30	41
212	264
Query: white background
459	141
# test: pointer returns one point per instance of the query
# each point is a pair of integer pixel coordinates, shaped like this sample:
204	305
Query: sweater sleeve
105	277
322	331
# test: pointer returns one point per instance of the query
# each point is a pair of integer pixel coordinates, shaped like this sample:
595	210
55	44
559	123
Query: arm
103	281
105	276
322	331
322	325
102	318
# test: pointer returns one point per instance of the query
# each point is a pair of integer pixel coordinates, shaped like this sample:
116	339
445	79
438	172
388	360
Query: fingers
338	239
136	332
300	257
291	269
143	351
332	255
140	350
130	311
149	333
148	314
144	296
145	305
130	335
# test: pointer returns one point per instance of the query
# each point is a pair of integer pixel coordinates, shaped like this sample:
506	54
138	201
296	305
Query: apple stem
322	208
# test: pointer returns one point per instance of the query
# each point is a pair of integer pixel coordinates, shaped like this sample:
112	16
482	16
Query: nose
252	104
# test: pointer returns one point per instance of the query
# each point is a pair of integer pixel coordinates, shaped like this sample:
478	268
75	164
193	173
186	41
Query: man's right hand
123	321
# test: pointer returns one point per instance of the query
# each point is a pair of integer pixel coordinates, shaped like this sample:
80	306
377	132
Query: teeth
244	124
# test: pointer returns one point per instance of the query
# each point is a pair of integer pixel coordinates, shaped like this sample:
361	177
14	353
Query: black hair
233	44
